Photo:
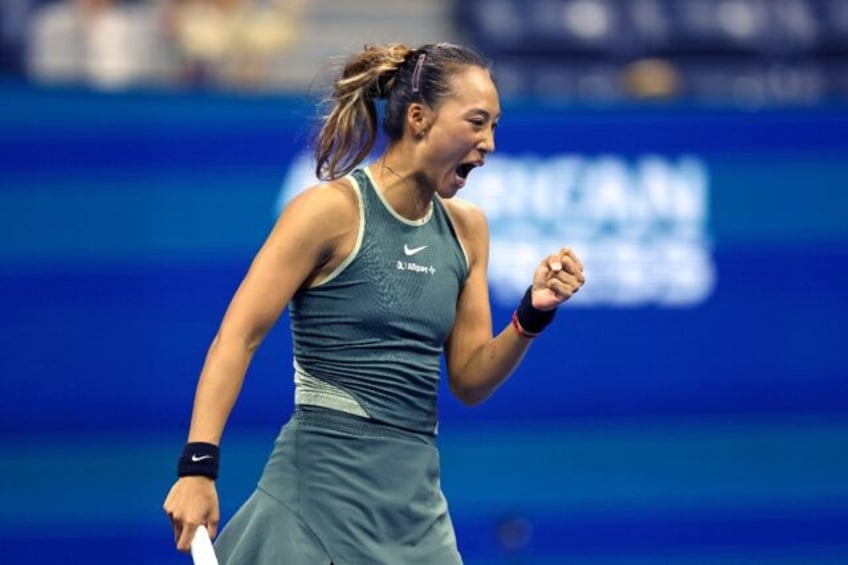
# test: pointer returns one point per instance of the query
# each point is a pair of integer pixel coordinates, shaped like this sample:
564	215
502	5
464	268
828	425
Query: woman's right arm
302	247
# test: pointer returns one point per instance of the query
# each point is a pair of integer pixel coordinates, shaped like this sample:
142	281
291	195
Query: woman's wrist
516	325
199	458
528	321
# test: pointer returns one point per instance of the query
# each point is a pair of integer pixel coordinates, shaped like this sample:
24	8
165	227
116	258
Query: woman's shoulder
466	215
337	197
322	219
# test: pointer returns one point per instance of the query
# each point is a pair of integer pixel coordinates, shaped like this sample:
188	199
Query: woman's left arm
478	362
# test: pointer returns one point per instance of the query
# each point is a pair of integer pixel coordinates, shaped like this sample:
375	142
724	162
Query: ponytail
350	129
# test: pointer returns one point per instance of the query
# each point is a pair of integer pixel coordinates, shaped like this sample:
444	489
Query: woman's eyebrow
483	112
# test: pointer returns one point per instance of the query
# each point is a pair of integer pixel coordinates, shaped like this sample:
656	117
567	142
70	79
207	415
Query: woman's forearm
489	367
218	388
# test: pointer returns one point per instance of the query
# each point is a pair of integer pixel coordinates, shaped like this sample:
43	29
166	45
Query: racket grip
202	552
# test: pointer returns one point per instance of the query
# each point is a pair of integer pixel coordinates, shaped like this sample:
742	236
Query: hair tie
416	74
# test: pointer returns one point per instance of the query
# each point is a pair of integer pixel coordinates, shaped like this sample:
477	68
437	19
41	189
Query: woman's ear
419	118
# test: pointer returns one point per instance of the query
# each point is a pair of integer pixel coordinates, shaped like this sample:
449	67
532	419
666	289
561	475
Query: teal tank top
375	328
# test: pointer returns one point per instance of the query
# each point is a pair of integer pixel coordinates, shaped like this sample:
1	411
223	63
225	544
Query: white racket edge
202	552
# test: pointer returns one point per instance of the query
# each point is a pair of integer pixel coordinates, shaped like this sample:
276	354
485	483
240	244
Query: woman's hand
556	279
191	502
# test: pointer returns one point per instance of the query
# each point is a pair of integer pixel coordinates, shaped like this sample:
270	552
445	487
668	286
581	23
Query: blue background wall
710	433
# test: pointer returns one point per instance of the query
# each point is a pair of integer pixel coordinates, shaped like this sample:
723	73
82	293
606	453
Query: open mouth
464	169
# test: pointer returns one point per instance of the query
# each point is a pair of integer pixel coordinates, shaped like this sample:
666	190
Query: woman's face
462	132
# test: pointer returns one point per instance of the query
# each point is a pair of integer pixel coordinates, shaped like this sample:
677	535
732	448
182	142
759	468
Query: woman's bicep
473	325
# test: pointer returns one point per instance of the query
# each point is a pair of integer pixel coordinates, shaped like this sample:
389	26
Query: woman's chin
453	184
448	191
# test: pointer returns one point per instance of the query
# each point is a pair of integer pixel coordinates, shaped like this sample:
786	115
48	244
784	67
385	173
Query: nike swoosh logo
412	251
195	458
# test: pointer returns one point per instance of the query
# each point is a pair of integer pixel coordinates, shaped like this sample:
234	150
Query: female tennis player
383	271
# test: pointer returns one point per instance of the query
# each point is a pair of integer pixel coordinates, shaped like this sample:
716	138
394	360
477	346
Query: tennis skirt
342	489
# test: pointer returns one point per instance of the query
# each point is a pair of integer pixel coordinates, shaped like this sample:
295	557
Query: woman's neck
405	189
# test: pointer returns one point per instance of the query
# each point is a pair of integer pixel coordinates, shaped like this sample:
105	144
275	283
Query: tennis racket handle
202	552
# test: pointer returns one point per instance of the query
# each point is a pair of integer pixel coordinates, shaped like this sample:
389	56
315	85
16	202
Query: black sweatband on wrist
199	459
532	321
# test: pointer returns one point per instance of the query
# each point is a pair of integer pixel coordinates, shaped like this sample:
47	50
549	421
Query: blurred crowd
112	44
751	51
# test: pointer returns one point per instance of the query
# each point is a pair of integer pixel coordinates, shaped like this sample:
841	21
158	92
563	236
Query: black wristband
532	321
199	459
